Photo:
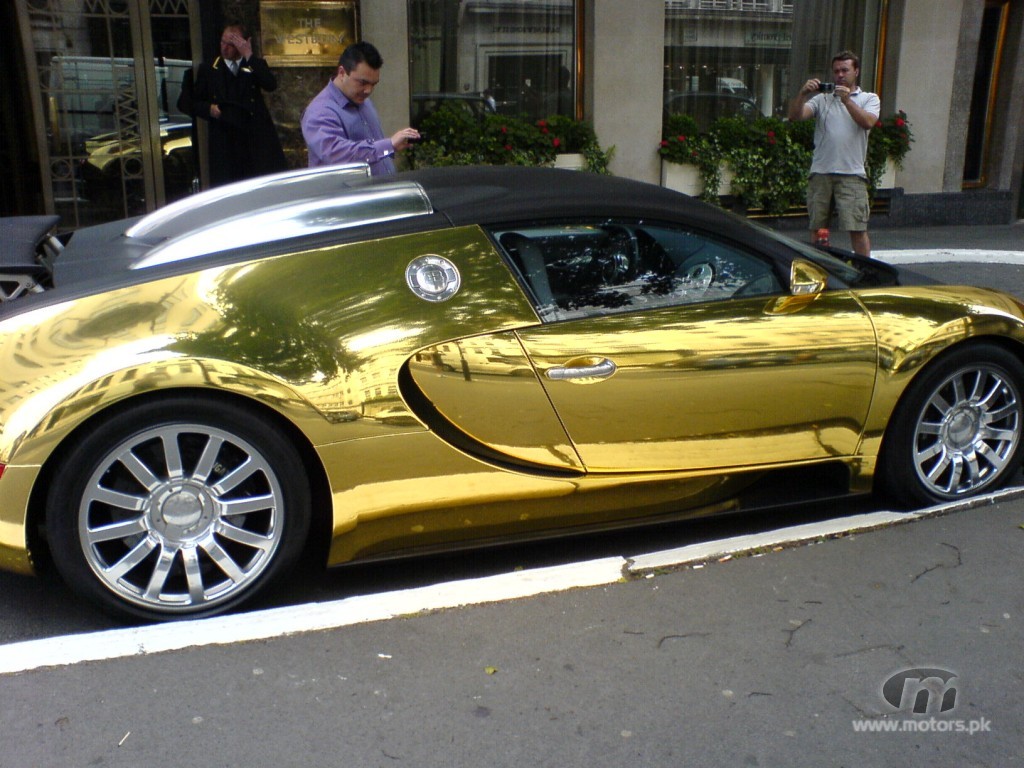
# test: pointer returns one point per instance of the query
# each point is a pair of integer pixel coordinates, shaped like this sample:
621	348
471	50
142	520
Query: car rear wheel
958	431
177	508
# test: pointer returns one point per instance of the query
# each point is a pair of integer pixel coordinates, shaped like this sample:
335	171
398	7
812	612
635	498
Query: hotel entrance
103	79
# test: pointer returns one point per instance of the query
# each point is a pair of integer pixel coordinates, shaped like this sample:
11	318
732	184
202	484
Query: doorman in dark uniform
228	94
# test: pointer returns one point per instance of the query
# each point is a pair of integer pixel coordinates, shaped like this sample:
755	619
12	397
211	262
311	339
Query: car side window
585	269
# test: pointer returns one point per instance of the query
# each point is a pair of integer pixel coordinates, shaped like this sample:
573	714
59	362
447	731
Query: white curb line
713	550
942	255
278	622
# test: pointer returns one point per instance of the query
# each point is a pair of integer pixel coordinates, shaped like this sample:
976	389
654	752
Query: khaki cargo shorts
851	196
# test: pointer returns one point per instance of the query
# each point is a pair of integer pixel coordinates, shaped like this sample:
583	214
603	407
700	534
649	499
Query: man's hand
215	112
810	87
402	138
865	120
798	109
243	46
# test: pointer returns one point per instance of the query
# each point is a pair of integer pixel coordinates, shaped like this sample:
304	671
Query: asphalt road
774	659
778	659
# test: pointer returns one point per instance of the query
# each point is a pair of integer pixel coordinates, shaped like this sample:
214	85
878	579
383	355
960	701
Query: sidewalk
1007	237
949	243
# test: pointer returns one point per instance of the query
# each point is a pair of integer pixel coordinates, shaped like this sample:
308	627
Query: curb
704	552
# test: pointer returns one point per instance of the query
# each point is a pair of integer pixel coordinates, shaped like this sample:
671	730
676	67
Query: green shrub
453	137
770	158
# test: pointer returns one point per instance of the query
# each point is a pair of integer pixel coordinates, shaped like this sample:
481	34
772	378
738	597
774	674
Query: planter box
685	178
573	161
682	177
888	180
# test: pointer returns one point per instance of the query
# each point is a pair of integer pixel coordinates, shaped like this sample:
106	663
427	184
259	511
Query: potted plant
888	145
454	137
575	144
681	150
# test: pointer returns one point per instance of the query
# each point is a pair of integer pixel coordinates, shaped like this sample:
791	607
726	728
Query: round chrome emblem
433	278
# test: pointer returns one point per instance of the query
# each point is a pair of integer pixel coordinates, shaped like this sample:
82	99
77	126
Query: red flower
900	122
508	147
878	124
556	142
504	129
680	138
542	123
771	134
664	143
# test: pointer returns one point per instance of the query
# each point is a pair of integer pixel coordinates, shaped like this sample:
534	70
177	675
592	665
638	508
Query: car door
668	349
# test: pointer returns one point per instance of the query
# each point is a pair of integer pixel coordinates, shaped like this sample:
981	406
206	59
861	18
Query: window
514	57
745	58
983	95
583	269
109	73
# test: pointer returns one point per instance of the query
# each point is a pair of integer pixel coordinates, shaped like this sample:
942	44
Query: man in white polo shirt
844	115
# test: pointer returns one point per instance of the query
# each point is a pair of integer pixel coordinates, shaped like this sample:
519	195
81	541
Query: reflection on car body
457	357
114	160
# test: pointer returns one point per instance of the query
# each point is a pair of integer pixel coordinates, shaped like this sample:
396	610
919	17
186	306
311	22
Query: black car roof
490	194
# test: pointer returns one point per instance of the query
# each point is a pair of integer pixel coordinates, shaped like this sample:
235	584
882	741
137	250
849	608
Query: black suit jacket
243	140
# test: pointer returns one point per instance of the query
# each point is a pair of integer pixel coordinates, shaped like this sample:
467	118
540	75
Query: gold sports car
322	365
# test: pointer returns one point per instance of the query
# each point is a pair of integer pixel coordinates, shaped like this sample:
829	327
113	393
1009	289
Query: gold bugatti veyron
320	362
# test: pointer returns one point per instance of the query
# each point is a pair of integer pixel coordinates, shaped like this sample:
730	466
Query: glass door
105	76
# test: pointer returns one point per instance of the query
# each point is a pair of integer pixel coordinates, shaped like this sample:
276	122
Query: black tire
957	429
177	508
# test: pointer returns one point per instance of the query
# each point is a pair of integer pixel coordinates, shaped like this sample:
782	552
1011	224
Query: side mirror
806	282
806	278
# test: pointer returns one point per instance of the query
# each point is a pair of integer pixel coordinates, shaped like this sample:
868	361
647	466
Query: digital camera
827	87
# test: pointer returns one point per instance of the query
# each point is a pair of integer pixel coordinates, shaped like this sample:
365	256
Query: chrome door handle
601	370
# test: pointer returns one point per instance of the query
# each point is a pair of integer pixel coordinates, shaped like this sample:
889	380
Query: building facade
92	129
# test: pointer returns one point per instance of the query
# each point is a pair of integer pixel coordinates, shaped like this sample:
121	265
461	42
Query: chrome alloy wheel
180	517
967	431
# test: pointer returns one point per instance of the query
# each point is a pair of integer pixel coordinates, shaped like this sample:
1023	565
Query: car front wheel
177	508
958	432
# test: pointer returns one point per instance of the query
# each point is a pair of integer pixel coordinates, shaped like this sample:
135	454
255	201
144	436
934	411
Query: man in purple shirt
340	124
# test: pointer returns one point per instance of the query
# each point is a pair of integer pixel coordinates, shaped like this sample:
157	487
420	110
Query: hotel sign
768	38
306	33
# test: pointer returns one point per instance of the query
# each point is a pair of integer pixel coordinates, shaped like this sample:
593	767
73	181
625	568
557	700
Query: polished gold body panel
715	386
487	386
317	336
15	489
412	492
321	351
437	422
915	324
